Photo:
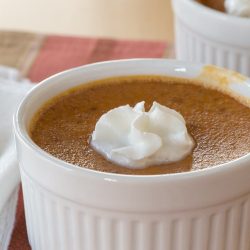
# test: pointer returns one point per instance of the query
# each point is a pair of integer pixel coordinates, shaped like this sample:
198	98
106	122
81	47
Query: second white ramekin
204	35
72	208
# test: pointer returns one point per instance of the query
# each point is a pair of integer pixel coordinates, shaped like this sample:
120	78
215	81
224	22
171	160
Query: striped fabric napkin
12	89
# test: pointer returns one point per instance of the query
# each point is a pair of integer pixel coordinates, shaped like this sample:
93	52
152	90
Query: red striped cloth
59	53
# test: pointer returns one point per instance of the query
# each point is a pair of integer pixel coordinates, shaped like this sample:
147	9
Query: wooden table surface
122	19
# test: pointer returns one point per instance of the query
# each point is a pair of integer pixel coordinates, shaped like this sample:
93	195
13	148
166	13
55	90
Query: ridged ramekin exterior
72	208
57	223
208	42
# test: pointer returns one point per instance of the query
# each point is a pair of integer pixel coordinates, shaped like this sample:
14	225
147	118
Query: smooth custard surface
218	123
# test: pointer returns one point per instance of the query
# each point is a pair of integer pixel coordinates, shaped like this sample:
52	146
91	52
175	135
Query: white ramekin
73	208
204	35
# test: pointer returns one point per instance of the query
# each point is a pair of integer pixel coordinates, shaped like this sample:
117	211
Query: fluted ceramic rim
218	14
23	136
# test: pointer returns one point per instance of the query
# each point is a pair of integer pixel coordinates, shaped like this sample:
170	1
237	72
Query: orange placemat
46	55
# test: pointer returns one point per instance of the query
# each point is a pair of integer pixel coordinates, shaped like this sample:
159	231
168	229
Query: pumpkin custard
218	124
214	4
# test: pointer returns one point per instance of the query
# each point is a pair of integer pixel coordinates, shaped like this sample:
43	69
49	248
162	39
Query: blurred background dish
205	35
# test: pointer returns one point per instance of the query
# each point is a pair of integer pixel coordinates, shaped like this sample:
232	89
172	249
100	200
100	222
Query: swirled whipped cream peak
238	7
133	138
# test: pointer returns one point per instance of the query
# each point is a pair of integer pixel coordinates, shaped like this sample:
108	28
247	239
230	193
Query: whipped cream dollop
238	7
133	138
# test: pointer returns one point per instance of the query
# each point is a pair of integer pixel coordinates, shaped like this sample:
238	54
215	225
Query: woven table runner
39	56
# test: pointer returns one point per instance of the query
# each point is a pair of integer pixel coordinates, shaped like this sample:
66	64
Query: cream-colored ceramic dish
73	208
204	35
